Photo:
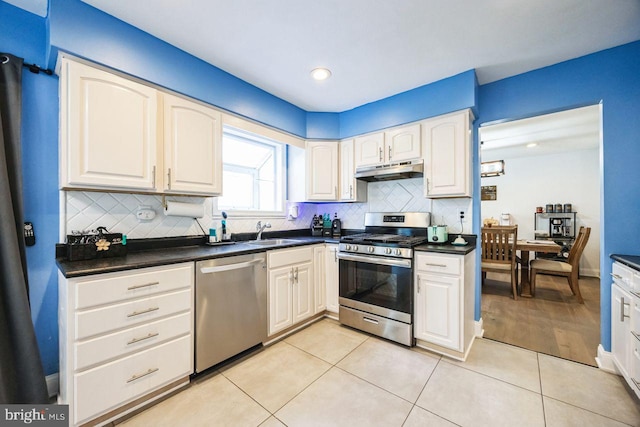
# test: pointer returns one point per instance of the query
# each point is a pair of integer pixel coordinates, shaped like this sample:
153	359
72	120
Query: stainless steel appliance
230	307
376	274
396	170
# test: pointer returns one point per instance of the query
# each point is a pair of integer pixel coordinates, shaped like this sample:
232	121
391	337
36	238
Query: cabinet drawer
108	386
108	347
113	317
441	263
120	286
283	257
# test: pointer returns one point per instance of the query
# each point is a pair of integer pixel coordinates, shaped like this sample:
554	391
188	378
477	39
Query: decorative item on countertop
326	225
226	235
99	243
316	226
336	226
213	238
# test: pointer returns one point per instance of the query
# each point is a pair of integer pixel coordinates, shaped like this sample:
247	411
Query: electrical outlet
462	216
145	213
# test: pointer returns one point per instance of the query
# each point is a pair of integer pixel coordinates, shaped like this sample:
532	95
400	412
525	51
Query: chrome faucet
261	228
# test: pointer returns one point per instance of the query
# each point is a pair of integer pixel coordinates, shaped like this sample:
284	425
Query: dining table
525	247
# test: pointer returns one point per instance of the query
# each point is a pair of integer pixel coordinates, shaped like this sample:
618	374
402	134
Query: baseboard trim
479	328
53	381
604	360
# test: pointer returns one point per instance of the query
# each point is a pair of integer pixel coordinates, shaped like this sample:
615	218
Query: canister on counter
558	207
567	207
548	208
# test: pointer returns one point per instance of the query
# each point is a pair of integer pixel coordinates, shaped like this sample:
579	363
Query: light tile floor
330	375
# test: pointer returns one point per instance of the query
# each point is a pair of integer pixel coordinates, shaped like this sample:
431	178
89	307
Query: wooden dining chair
498	246
568	269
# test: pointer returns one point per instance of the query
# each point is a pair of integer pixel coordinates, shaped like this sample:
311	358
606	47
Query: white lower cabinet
319	267
444	302
124	336
625	323
291	287
332	278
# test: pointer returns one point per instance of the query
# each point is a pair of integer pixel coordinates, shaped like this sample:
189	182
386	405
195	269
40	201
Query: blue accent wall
84	31
444	96
24	34
612	77
323	125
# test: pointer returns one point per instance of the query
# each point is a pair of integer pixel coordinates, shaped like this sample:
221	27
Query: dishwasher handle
229	267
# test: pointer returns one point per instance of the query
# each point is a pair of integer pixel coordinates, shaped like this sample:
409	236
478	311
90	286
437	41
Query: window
252	174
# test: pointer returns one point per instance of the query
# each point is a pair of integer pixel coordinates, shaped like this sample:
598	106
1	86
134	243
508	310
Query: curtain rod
35	69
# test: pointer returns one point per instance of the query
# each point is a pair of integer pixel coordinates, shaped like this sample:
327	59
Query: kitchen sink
272	242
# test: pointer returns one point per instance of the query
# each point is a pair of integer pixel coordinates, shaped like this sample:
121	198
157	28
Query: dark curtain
21	374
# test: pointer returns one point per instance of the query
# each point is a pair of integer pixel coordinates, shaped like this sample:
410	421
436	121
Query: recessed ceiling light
320	73
531	145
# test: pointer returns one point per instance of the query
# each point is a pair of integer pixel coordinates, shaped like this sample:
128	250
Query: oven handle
394	262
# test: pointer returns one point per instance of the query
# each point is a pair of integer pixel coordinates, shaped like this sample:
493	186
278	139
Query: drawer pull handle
366	319
135	340
144	374
148	310
131	288
635	294
637	384
616	276
636	335
435	265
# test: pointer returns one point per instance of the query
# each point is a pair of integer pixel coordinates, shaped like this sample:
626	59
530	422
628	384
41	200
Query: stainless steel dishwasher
231	307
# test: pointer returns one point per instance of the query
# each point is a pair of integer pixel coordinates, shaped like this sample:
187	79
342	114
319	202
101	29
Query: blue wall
24	34
87	32
613	77
444	96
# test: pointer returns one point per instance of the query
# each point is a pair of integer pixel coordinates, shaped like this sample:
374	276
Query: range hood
399	170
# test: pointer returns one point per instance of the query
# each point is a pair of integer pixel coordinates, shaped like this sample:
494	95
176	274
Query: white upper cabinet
403	143
108	135
369	149
393	145
116	135
447	156
192	147
322	170
351	189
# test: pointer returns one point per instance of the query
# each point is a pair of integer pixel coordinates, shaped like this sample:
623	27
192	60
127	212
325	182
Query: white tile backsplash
116	211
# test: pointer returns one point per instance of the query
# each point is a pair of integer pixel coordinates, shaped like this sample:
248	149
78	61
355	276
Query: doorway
551	159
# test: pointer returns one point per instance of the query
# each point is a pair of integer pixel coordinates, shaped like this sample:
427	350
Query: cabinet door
403	143
280	299
108	133
347	170
331	277
447	156
322	170
437	314
620	328
192	147
319	260
303	290
369	150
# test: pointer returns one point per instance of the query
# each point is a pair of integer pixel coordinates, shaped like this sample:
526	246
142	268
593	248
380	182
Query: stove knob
347	247
355	248
387	251
370	249
398	251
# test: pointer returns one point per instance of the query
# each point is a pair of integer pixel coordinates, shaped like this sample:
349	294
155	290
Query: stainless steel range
376	274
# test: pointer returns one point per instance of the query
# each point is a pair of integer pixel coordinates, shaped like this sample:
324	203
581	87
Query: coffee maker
559	227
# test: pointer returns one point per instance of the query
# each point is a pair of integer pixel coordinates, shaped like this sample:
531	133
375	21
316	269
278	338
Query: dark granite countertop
632	261
448	248
151	255
173	255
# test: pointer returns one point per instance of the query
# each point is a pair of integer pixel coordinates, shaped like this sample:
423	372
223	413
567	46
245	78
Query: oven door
377	285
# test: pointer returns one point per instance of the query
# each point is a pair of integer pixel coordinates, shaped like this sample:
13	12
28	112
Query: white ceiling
377	48
568	130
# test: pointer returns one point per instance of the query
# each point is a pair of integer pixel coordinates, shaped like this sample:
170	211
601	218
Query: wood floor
552	322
